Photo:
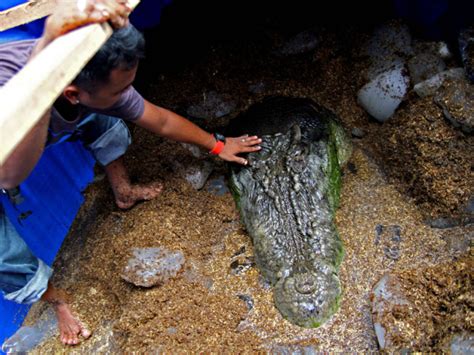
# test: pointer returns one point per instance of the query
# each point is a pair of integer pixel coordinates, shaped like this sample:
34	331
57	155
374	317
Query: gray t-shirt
14	56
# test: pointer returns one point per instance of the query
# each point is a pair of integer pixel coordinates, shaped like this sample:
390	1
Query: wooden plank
28	95
24	13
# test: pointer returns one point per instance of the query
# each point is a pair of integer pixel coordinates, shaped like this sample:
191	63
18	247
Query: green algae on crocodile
287	197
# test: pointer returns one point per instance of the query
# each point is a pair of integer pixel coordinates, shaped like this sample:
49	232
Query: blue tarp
53	192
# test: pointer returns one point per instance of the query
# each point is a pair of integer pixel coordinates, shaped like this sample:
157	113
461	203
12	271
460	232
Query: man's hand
71	14
242	144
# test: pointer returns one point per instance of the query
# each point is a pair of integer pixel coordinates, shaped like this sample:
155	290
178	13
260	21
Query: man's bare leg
126	194
69	326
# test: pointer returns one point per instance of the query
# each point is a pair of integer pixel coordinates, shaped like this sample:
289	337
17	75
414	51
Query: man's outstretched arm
173	126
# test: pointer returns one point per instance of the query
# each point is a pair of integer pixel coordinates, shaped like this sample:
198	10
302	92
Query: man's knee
23	277
106	137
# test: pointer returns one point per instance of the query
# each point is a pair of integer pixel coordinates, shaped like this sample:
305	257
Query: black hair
122	50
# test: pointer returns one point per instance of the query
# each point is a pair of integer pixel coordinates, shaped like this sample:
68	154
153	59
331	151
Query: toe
86	333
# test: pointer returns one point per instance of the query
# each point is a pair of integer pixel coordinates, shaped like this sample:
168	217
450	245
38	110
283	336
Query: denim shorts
23	276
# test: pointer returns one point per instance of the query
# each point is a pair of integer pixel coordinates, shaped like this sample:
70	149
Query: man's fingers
241	161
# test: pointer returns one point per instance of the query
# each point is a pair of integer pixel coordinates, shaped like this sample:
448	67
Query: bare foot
69	326
128	196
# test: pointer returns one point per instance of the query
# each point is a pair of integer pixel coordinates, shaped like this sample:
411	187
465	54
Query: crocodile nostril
305	283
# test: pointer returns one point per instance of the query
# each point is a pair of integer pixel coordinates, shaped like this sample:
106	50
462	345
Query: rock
439	49
193	275
357	133
103	341
458	239
381	97
466	47
198	174
462	344
248	301
257	88
430	86
379	65
213	105
388	39
28	337
456	98
294	350
194	150
442	222
303	42
152	266
217	186
443	51
389	238
386	297
470	206
194	172
424	66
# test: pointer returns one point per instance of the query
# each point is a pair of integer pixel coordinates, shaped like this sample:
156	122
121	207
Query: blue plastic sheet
52	197
53	191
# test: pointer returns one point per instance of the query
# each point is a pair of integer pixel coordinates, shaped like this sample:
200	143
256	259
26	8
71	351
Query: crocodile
287	196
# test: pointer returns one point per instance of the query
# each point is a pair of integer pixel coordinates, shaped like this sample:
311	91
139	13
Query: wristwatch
220	143
219	137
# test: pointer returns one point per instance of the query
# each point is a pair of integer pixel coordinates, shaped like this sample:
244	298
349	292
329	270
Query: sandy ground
200	309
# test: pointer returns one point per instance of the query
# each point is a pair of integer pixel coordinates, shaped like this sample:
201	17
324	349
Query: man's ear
71	93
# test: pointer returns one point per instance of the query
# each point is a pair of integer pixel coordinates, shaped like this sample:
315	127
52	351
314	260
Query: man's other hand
71	14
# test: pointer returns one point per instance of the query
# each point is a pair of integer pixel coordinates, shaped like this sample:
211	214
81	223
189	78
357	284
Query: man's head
110	72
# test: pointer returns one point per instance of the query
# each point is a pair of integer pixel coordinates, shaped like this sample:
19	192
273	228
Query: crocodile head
308	296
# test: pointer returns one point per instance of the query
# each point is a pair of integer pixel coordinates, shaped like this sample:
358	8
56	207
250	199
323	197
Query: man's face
106	95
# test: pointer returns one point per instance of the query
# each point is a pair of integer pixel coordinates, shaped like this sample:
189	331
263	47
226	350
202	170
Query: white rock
381	97
382	64
152	266
444	51
429	87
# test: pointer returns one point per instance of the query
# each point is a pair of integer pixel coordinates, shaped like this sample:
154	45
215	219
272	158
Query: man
90	109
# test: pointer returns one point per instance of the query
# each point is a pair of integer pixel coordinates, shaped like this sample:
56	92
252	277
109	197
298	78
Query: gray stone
103	341
466	47
194	150
456	98
248	301
389	239
152	266
194	172
424	66
212	105
28	337
388	39
217	186
257	88
358	133
430	86
386	296
303	42
442	222
198	174
462	344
